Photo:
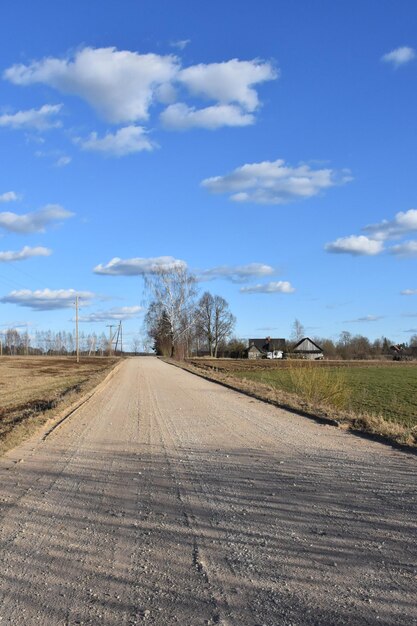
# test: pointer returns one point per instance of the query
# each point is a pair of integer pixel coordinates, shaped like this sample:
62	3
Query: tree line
179	322
59	343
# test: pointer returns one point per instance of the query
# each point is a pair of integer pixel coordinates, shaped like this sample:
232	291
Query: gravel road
168	499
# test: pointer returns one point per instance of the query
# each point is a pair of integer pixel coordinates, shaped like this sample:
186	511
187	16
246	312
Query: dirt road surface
168	499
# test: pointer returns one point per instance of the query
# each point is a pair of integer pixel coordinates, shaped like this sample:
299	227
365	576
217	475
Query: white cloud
117	313
63	161
122	85
355	245
403	223
399	56
39	119
182	117
229	81
35	222
282	286
47	299
237	273
366	318
119	84
406	249
409	292
125	141
9	196
138	266
25	253
274	182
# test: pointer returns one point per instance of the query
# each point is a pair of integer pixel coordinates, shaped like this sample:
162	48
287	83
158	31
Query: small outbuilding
306	348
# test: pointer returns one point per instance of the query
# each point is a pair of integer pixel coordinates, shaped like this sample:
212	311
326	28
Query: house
266	348
307	349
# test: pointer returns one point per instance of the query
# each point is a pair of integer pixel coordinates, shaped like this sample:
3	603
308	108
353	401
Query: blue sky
270	146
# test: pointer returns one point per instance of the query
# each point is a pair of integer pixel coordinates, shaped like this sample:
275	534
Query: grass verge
319	396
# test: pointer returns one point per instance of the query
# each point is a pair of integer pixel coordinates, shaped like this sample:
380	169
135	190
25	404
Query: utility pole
110	338
121	338
77	345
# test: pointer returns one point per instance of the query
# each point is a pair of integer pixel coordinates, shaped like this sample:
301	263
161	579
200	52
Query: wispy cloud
9	196
127	140
409	292
38	119
274	182
47	299
399	56
138	266
25	253
63	161
282	286
117	313
366	318
181	44
355	245
236	273
35	222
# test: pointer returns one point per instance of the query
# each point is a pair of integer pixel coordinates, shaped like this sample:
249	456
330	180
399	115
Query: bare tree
297	331
173	293
215	321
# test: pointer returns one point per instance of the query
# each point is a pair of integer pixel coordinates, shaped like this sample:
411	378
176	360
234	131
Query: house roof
268	344
309	346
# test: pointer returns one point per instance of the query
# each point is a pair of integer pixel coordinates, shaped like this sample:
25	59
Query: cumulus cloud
47	299
282	286
125	141
399	56
122	85
229	81
237	273
25	253
34	222
139	266
182	117
117	313
403	223
357	245
39	119
409	292
9	196
274	182
406	249
118	84
366	318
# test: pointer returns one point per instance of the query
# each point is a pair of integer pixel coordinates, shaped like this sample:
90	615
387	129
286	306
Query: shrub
319	385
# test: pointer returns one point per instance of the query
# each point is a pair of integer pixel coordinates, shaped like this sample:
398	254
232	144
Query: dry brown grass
322	403
32	388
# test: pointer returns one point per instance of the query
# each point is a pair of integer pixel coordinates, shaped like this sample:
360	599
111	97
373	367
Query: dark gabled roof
318	349
268	344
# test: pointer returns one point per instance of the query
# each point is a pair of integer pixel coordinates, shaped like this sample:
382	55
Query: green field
386	391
